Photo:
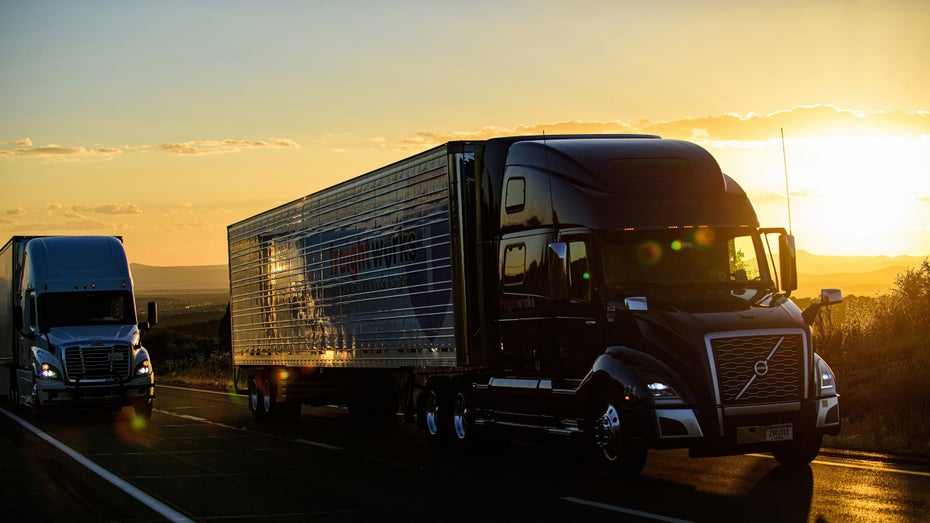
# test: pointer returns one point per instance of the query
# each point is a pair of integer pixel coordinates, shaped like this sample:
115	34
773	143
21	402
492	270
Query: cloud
73	226
110	208
220	146
813	120
200	147
115	208
15	211
59	152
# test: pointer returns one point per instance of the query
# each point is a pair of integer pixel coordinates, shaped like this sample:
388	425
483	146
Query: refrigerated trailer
613	289
69	335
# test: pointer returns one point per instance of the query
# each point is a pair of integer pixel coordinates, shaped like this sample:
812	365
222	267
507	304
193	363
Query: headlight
49	372
825	378
660	390
144	368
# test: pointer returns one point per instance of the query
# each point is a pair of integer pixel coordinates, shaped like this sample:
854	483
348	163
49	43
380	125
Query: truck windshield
68	309
730	258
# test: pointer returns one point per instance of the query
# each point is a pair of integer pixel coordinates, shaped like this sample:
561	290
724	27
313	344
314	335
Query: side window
514	265
579	275
742	258
515	198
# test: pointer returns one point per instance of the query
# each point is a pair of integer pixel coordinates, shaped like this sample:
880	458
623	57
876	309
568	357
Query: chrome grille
759	369
97	362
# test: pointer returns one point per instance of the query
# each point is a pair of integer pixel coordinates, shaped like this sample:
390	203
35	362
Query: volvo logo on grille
761	368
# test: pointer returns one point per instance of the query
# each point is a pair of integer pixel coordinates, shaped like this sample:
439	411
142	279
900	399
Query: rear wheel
257	401
464	434
612	451
437	409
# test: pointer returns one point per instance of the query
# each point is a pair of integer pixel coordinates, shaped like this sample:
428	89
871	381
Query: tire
257	403
144	411
612	452
801	452
14	394
463	431
436	402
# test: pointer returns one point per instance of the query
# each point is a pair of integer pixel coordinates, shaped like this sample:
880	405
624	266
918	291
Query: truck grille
97	363
759	368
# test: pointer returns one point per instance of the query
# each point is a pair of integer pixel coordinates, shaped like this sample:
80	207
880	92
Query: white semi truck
614	289
69	336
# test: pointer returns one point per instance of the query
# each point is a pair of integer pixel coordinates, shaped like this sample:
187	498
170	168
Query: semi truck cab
78	341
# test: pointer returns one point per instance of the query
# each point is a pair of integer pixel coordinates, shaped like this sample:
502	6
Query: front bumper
131	393
717	432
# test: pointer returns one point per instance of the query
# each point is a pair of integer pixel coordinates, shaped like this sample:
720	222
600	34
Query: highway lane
203	457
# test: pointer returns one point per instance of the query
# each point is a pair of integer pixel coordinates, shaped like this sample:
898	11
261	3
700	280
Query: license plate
764	433
779	433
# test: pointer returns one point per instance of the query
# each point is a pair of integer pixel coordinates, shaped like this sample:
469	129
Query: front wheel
144	411
801	451
613	452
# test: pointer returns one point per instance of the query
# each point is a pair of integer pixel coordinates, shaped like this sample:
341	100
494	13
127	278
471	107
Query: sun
864	193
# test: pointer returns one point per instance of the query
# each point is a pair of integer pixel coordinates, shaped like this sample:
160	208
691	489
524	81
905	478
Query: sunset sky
164	122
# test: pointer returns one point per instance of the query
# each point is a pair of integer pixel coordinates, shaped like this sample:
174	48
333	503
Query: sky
165	122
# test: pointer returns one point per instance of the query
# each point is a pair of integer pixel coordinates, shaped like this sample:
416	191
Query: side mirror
827	297
557	260
152	316
788	263
830	297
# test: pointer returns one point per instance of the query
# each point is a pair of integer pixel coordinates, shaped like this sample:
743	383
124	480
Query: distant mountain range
859	275
181	279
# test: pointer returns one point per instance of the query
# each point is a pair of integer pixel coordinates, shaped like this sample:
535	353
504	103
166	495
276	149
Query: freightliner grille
97	363
759	369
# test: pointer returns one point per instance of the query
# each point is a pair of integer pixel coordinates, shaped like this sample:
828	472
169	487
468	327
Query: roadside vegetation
878	347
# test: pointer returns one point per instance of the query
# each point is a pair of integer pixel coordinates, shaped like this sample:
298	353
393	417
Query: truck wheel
257	403
437	410
464	434
144	410
801	452
14	394
612	453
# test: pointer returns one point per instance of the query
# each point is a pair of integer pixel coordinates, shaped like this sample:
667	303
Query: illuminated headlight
660	390
825	378
48	372
144	368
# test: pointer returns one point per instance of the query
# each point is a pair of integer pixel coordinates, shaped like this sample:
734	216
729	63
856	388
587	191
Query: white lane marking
624	510
147	500
241	429
198	390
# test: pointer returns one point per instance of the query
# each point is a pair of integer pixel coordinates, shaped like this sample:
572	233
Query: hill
150	279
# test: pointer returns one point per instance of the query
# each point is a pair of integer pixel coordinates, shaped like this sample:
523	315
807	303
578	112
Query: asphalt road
203	458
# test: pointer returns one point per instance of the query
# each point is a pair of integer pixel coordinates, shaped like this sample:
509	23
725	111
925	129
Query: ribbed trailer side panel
7	304
356	275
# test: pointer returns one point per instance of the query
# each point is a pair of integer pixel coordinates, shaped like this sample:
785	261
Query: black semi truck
613	289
